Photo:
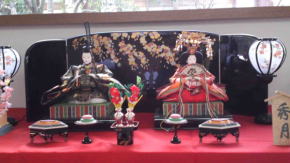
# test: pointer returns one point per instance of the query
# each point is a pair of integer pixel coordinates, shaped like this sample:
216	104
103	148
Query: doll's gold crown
194	39
188	39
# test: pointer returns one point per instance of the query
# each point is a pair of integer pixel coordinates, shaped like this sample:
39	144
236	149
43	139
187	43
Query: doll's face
191	59
192	50
87	58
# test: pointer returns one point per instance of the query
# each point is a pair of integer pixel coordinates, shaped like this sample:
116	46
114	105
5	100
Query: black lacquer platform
125	134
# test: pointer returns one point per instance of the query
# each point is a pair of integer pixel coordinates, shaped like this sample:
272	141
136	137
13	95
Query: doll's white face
87	58
191	59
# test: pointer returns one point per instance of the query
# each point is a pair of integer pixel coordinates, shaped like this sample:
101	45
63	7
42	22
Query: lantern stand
267	79
266	117
266	56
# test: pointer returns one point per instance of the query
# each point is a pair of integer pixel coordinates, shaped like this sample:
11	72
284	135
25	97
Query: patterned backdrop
149	54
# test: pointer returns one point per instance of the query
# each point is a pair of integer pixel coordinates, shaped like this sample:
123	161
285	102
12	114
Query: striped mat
192	109
75	111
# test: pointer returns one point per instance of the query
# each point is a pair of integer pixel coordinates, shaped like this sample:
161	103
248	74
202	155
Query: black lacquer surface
245	89
45	63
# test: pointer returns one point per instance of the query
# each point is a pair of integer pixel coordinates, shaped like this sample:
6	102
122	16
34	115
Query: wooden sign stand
280	117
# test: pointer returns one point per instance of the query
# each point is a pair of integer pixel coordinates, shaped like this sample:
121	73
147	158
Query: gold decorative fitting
194	39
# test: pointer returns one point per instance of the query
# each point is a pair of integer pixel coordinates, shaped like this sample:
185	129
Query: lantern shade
9	61
267	55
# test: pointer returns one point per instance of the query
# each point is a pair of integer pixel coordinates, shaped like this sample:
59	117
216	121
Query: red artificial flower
115	95
133	98
135	93
135	90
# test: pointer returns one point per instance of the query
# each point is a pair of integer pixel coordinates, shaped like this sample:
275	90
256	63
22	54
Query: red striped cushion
75	111
192	109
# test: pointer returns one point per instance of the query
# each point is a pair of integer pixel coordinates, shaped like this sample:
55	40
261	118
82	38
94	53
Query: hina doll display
191	82
85	83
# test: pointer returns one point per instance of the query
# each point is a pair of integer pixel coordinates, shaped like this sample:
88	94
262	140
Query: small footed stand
87	139
125	133
175	124
219	133
47	128
219	128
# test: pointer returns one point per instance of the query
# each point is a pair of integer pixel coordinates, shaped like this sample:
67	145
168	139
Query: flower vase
130	117
119	117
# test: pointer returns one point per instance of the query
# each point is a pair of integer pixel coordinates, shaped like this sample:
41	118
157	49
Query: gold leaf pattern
141	48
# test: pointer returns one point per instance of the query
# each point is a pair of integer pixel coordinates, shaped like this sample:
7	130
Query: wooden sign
280	117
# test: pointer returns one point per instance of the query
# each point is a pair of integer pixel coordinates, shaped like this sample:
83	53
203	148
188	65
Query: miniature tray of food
86	120
48	124
219	123
175	119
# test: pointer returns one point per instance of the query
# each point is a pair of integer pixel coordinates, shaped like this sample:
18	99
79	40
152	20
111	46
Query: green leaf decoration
128	93
111	85
119	87
139	83
138	80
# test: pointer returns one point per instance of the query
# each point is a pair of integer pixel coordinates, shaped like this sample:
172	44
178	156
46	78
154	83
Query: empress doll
191	82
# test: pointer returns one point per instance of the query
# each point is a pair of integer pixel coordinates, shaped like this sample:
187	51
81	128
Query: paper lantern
9	61
267	55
